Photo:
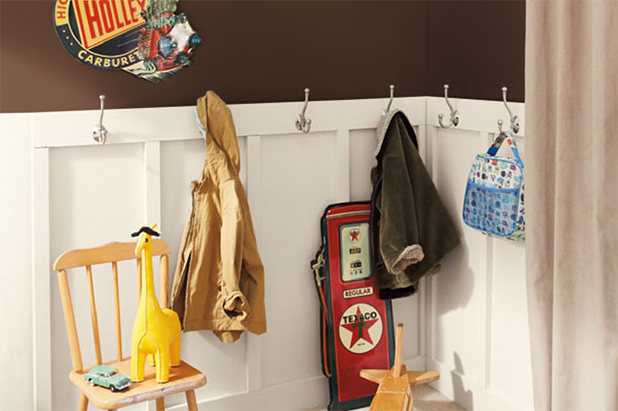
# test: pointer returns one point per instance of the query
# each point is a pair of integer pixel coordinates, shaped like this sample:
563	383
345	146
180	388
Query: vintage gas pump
357	327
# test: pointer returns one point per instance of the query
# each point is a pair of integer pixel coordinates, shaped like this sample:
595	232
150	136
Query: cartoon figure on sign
166	42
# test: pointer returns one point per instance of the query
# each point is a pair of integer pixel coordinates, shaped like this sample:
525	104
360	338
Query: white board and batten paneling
468	321
477	327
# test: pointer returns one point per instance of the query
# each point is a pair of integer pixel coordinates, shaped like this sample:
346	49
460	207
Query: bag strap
493	149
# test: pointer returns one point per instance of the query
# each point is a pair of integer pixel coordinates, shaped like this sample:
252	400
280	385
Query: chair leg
161	404
83	403
191	402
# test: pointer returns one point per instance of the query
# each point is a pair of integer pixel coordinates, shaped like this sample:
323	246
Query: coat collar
383	124
382	129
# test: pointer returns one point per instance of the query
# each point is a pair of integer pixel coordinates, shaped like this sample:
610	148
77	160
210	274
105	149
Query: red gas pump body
357	326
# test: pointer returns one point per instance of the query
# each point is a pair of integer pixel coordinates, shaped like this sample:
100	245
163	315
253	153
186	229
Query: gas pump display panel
355	252
359	324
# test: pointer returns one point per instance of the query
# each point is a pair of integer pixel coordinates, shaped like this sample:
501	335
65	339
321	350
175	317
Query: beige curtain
572	198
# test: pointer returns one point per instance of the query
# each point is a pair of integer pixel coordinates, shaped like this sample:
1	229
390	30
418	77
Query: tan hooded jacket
219	279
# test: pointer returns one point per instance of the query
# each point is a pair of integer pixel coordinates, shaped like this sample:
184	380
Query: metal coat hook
390	101
99	133
514	119
303	123
454	121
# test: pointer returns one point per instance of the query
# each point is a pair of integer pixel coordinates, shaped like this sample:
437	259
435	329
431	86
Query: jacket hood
382	129
222	152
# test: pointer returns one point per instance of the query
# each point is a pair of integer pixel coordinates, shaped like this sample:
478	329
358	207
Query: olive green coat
411	228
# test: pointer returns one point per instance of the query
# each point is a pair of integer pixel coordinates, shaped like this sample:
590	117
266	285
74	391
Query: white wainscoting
59	190
477	324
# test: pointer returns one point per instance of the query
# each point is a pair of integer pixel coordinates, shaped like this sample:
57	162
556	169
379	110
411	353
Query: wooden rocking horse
395	389
156	331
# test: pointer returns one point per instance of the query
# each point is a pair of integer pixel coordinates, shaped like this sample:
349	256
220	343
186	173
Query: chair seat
182	378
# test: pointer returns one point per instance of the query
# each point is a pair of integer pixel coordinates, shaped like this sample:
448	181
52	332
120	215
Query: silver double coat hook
390	100
454	121
99	133
302	122
515	125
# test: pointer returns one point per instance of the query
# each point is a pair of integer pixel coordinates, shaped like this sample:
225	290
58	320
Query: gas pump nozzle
317	268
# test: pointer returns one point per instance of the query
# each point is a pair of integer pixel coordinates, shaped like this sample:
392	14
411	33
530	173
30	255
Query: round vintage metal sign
101	33
143	37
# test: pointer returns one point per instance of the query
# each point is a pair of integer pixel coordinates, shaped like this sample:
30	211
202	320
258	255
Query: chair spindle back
107	254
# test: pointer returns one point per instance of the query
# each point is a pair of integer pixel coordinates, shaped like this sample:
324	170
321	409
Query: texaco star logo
360	328
354	235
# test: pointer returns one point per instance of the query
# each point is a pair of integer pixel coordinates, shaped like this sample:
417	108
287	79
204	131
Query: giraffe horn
146	230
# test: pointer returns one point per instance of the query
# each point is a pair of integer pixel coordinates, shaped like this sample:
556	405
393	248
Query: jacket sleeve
235	303
399	234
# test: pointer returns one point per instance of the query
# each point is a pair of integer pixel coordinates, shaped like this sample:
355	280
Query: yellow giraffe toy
156	331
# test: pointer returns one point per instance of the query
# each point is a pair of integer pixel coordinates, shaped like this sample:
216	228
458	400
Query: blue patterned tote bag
494	200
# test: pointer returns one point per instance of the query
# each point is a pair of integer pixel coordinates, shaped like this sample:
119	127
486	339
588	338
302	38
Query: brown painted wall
256	51
262	51
477	47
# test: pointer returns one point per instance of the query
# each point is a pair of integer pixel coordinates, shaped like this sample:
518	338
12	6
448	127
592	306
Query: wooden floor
428	399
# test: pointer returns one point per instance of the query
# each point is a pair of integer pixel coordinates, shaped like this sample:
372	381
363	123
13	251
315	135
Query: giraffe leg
138	361
175	353
150	359
163	363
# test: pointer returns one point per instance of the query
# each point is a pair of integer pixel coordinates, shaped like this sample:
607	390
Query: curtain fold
572	200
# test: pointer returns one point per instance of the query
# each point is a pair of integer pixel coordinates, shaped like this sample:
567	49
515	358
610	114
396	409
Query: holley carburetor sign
143	37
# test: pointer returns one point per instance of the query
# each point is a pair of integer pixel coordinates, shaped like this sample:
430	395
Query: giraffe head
145	238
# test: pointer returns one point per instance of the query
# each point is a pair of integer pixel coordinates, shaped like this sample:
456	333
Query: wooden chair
182	379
